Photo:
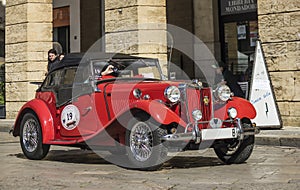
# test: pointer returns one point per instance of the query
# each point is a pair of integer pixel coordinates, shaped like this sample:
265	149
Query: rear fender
158	111
40	109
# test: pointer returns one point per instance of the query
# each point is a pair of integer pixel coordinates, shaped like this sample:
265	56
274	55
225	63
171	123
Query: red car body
134	109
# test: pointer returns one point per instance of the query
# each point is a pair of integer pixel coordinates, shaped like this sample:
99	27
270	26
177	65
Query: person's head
219	67
52	54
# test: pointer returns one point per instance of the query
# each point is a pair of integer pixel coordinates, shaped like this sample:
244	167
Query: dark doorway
62	36
180	14
91	23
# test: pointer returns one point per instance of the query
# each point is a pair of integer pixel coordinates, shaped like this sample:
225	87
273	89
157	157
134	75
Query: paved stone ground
269	167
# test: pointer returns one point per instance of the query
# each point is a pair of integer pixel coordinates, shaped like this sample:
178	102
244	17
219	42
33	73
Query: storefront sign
261	93
61	17
229	7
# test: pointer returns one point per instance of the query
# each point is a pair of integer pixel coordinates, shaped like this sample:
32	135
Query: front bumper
197	135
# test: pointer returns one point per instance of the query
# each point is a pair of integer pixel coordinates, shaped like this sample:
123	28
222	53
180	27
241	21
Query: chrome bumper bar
198	135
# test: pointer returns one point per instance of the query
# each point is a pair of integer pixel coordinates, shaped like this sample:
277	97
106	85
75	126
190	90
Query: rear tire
234	151
144	148
31	138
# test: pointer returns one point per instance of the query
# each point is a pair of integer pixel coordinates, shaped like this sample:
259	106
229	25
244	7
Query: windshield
128	68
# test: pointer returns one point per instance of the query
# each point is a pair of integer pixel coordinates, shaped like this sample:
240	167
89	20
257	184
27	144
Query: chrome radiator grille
195	98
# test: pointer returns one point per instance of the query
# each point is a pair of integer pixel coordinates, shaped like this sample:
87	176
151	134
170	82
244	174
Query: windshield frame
146	68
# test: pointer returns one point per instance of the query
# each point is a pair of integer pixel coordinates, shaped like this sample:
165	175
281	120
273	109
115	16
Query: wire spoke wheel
141	141
31	138
144	148
235	151
30	135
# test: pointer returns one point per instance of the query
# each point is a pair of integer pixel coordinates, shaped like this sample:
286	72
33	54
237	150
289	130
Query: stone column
28	38
137	27
279	31
207	24
206	28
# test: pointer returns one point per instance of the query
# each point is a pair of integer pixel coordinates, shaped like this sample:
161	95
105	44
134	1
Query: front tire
31	138
234	151
144	148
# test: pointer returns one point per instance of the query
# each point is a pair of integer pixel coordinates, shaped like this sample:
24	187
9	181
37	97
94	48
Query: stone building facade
126	27
279	29
2	24
28	33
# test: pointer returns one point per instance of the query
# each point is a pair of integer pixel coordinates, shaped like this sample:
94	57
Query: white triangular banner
261	93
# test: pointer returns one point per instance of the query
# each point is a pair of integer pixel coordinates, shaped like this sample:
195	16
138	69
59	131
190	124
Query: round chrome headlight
223	93
197	115
172	93
232	113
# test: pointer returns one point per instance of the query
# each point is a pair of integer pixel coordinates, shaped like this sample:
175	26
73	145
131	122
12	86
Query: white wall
74	21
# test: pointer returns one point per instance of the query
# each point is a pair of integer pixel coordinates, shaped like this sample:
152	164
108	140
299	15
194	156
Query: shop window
238	34
239	38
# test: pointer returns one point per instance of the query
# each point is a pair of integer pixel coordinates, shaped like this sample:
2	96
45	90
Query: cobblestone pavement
269	167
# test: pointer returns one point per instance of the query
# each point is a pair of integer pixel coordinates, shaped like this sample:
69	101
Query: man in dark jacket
52	59
229	79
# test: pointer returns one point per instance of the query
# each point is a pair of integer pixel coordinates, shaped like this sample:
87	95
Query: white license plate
222	133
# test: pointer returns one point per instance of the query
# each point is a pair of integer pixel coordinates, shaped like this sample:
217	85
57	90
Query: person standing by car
225	76
52	59
248	72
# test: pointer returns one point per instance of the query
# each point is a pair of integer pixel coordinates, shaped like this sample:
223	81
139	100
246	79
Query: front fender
243	107
160	112
44	116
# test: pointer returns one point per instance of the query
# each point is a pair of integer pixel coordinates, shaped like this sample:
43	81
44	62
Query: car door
76	105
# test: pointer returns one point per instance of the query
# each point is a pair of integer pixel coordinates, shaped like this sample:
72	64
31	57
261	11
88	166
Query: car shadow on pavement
191	162
71	156
75	156
89	157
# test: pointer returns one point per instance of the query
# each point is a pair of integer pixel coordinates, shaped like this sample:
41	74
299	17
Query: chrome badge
215	123
206	100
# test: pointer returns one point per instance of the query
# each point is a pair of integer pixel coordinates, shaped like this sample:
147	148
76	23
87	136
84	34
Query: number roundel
70	117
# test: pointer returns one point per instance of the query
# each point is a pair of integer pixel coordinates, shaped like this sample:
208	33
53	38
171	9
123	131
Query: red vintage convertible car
132	111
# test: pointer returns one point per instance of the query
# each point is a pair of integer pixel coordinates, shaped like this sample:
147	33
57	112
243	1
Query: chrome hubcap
30	135
141	141
231	149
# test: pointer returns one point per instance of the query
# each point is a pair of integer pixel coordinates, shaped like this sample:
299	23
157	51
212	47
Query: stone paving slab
287	136
6	124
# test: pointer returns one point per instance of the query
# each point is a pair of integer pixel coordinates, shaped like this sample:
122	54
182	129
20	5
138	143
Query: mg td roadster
132	111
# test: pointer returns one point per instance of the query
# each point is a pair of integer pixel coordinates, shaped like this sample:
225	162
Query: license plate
222	133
